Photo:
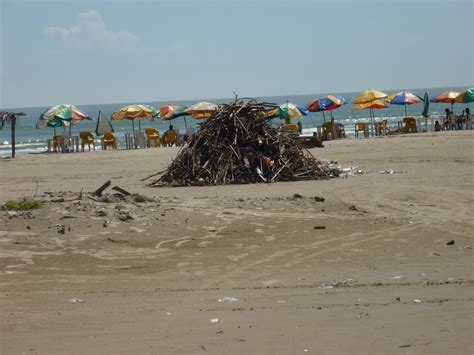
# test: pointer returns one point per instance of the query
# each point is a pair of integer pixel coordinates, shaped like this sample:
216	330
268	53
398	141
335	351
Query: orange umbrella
447	97
377	104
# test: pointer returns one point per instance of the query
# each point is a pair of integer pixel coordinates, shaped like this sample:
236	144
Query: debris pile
238	145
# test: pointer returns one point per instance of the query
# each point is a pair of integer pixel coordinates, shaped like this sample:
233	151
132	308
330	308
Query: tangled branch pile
237	145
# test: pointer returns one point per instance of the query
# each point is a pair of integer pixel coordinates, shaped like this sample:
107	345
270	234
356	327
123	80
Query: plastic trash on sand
227	299
76	300
214	320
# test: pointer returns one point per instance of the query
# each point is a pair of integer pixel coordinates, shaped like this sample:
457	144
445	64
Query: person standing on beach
446	120
468	119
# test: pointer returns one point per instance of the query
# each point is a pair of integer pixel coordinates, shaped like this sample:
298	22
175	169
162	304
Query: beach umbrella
447	97
201	110
368	97
377	104
426	106
170	112
327	103
61	115
404	98
135	111
466	96
288	111
103	125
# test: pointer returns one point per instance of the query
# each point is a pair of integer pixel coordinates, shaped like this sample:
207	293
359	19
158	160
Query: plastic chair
409	125
58	143
171	137
329	131
109	139
87	138
381	128
153	137
361	127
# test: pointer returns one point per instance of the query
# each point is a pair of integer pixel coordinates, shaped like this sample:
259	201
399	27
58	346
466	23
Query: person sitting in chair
170	137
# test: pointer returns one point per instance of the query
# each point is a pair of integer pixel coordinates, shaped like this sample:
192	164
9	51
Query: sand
243	268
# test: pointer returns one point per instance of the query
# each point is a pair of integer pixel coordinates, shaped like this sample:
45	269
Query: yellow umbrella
377	104
131	112
369	96
201	110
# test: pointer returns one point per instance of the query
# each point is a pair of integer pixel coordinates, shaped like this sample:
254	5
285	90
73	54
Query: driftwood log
238	145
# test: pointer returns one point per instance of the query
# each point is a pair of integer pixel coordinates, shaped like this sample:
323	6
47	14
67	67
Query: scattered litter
390	171
326	287
417	300
396	277
352	208
214	320
76	300
12	214
168	313
281	302
405	346
227	299
398	299
297	196
451	242
319	199
319	227
305	350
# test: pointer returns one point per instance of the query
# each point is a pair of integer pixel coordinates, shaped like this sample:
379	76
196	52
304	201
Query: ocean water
32	140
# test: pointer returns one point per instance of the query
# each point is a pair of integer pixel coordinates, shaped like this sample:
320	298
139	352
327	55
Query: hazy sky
89	52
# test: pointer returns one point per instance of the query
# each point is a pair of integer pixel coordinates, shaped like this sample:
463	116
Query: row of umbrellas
65	115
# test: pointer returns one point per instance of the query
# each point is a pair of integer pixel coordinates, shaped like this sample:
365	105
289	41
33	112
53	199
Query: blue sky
92	52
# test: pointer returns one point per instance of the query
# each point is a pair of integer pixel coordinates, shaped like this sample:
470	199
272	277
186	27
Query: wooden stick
99	191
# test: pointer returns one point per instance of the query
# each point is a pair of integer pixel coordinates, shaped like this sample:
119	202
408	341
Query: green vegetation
24	205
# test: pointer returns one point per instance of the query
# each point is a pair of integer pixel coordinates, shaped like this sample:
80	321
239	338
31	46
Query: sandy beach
383	265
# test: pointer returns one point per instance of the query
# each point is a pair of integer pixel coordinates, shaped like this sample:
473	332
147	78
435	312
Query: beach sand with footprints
373	263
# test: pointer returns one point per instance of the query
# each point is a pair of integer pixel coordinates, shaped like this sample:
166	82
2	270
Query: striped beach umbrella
327	103
404	98
466	96
201	110
61	115
135	111
370	97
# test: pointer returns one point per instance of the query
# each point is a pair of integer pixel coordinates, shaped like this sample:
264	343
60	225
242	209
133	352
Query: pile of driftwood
238	145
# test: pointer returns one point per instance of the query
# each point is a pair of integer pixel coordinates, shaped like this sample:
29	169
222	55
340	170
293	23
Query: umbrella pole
406	114
373	121
133	134
54	130
185	124
13	138
139	126
324	118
